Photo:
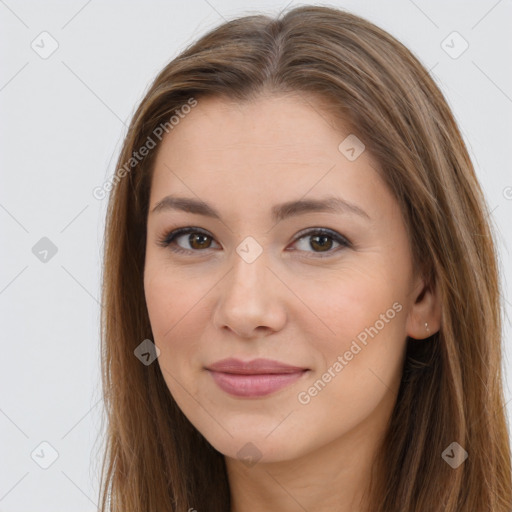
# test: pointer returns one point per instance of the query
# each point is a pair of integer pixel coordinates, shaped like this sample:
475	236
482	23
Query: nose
250	300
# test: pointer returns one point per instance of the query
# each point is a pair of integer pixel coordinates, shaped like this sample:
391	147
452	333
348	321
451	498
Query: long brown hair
451	390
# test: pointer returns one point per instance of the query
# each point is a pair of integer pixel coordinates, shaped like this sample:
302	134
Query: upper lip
255	366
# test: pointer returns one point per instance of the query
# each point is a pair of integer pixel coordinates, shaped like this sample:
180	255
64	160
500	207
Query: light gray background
62	122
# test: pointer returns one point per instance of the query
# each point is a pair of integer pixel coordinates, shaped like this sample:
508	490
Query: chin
251	445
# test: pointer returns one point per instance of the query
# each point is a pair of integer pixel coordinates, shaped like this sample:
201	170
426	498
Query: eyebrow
279	212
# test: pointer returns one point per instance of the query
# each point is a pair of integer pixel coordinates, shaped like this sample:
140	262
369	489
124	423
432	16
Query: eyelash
169	238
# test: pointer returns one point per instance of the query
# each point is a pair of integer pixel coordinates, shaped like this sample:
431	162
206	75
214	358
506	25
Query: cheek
177	320
364	318
177	316
361	362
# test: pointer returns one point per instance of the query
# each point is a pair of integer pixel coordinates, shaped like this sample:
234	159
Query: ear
426	309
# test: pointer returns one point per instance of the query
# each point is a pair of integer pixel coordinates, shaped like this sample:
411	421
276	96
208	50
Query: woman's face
258	280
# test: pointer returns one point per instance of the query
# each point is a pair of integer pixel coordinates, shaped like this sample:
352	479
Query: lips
255	366
255	378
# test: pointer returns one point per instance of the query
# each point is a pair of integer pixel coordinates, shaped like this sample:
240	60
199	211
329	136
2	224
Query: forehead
279	123
274	147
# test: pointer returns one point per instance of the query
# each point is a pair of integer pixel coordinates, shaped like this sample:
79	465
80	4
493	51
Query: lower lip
254	385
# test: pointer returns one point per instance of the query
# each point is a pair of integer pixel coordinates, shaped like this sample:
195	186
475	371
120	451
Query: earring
427	328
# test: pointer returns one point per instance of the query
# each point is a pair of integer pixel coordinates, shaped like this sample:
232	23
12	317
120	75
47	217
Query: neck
335	476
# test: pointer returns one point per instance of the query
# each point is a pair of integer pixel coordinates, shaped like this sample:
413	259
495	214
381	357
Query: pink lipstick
255	378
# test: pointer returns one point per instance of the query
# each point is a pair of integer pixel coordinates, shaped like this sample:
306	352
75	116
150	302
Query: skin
296	303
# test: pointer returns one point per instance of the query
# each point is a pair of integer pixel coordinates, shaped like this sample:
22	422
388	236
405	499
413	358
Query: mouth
254	385
253	379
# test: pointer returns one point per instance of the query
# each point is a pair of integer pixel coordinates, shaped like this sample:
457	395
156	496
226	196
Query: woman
301	295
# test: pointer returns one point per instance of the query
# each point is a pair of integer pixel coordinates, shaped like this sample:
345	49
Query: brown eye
321	240
199	241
